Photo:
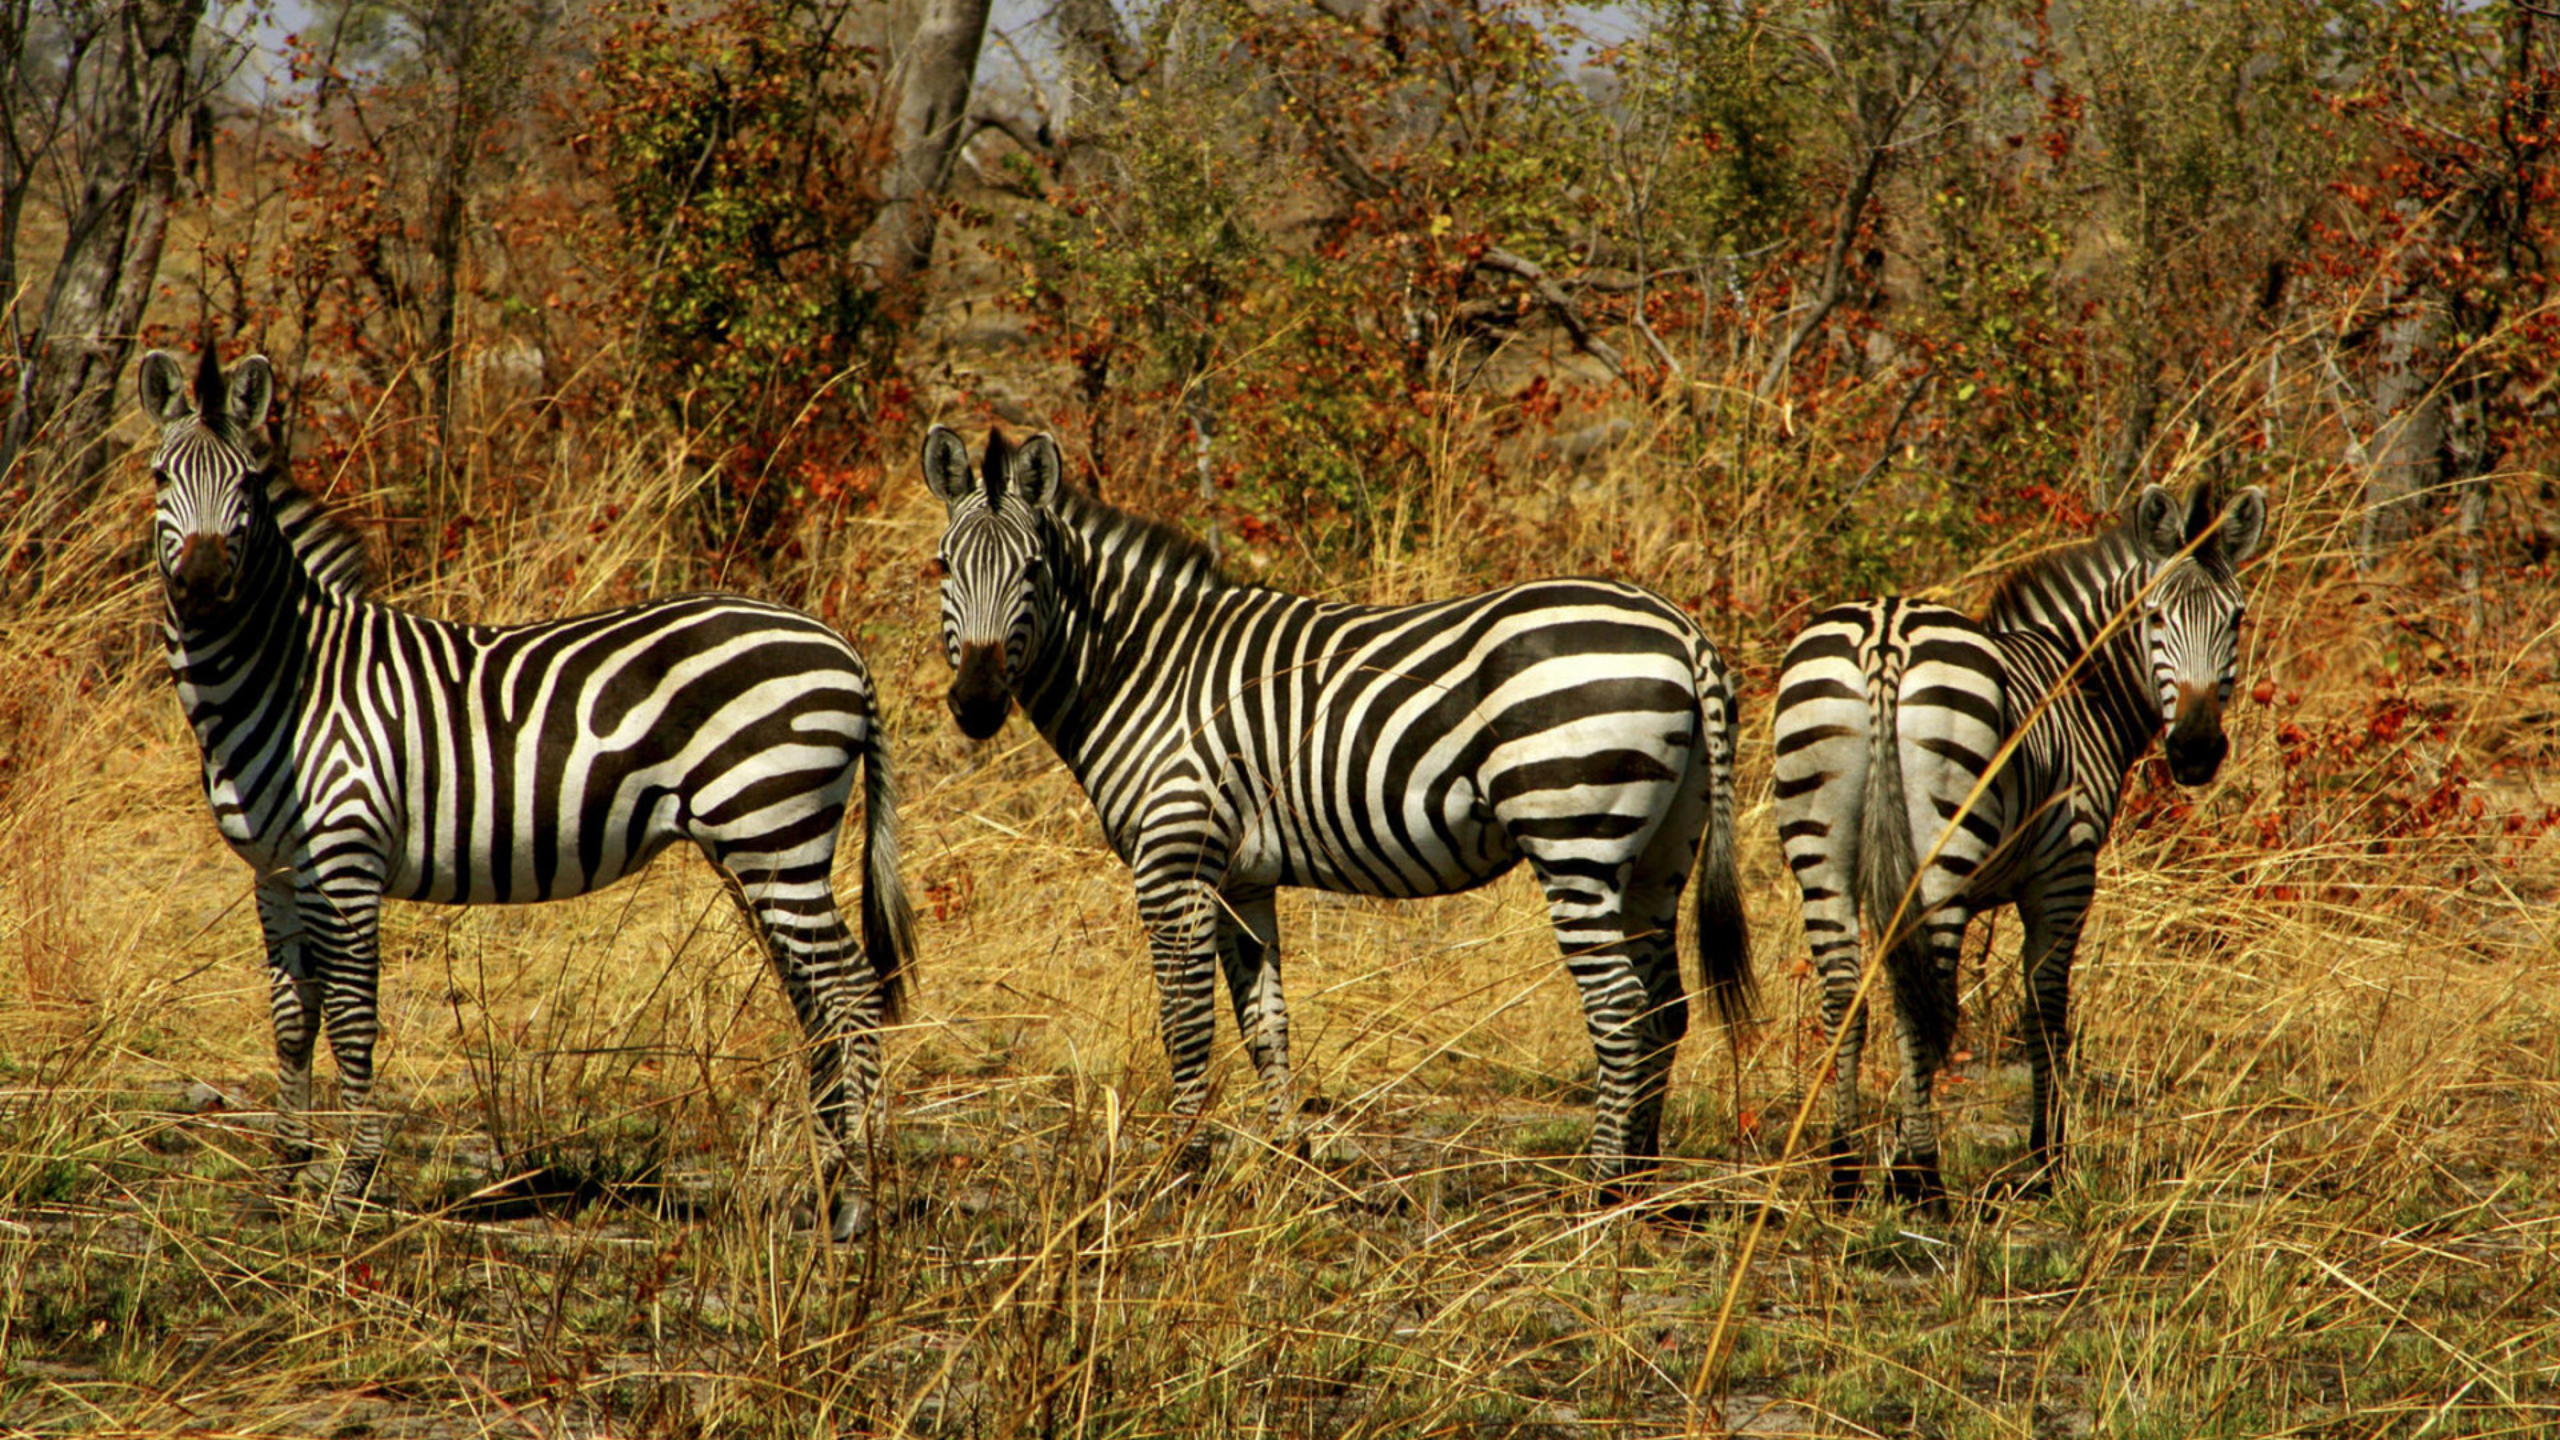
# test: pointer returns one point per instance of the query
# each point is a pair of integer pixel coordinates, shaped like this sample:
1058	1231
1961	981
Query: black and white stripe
1890	714
353	752
1236	739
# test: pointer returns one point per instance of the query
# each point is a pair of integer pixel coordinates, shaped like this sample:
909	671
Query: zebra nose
2196	745
979	699
201	580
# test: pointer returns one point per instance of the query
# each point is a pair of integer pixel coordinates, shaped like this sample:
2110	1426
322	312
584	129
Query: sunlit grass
2312	1156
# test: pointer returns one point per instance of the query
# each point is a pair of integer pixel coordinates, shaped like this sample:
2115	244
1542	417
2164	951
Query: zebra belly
1466	849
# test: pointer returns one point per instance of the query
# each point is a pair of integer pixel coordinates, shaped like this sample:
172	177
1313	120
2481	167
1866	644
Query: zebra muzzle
2196	745
979	699
201	582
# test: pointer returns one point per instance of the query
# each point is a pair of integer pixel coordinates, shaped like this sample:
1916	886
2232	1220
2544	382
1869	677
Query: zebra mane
2112	554
2101	557
327	548
1147	543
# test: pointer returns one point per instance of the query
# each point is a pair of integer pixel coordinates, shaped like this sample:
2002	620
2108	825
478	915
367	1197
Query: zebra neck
1122	595
2073	599
256	645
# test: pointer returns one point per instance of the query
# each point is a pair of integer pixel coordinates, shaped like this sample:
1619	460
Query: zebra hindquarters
1825	727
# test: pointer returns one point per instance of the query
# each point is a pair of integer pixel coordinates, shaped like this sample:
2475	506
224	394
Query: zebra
354	752
1234	739
1893	793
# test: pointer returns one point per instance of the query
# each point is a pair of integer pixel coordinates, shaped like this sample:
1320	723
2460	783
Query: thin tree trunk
934	78
444	293
2407	454
110	259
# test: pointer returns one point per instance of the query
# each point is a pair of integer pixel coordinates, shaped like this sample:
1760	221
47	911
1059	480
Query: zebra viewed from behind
354	752
1892	712
1236	739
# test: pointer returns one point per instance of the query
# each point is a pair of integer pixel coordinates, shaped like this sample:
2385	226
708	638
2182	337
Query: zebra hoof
1191	1158
1848	1177
1917	1186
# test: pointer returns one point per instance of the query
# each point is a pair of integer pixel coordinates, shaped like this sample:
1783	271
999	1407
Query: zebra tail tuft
1718	920
888	920
1887	862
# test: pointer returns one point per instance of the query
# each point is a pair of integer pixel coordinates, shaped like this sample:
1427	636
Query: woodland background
1760	304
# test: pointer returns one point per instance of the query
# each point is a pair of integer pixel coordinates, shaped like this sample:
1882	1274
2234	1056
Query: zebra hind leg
1924	993
1587	911
840	1008
1249	953
1652	914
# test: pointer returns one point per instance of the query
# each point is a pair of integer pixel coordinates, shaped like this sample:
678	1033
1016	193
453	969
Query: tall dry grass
2311	1184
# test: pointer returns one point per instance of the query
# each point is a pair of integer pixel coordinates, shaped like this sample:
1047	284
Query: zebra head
990	564
2190	611
209	479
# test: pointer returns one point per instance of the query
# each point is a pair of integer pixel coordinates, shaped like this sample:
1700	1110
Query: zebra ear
161	387
1037	471
2244	524
2159	523
253	388
946	465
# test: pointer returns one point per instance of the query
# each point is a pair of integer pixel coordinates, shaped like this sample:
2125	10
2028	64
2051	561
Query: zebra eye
937	568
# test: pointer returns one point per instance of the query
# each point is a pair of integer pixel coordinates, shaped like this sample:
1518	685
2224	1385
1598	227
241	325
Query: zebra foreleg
294	1001
347	960
1249	953
1181	920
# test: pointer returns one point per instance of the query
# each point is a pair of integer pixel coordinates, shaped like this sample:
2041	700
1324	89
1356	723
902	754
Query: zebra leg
840	1009
1820	775
2051	918
1181	920
1249	952
1652	914
1924	993
1588	915
345	947
294	1000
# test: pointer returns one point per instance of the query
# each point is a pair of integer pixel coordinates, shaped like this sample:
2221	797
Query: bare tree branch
1560	305
1853	206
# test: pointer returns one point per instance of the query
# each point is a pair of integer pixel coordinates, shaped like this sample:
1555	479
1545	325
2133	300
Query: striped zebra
1891	719
1235	739
354	752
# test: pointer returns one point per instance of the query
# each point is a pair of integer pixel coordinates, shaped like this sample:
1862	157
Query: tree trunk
110	259
444	292
934	77
2405	460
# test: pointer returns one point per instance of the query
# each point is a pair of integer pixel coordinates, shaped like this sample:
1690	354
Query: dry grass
2312	1188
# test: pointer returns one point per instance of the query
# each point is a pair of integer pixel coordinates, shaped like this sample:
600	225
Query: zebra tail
888	920
1717	918
1886	859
